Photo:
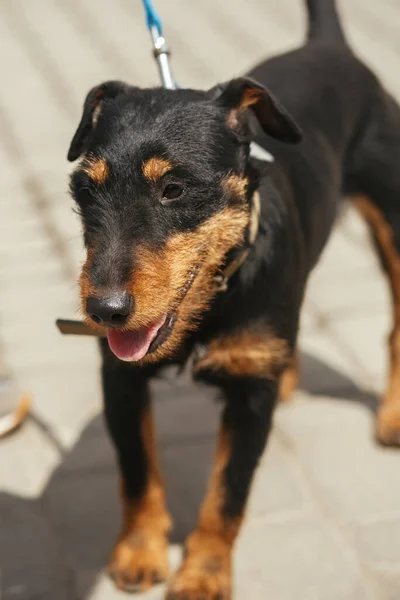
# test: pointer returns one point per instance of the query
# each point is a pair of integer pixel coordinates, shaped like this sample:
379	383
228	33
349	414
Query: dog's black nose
111	311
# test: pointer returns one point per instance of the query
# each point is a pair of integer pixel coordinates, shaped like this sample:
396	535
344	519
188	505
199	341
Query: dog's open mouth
133	345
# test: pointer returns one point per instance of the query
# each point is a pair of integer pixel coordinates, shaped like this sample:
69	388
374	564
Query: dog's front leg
139	558
206	569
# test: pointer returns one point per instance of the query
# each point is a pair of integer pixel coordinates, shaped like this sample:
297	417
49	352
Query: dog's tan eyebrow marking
154	168
96	168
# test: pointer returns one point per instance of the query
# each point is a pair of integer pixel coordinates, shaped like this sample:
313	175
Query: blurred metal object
161	49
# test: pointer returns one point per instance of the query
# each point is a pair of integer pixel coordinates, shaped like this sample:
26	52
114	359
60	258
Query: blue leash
161	50
152	18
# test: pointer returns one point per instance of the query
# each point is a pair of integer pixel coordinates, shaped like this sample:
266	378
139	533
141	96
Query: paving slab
278	560
31	561
333	438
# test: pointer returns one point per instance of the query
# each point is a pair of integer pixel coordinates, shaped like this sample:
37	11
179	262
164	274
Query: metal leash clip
161	49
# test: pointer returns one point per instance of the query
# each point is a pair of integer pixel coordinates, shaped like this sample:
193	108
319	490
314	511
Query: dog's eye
171	192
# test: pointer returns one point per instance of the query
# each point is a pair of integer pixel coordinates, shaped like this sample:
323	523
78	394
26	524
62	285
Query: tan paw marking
197	584
140	562
205	573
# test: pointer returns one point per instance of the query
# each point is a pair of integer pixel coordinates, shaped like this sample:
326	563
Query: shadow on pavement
319	379
53	548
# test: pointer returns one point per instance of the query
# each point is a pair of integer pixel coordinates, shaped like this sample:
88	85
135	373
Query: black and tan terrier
194	244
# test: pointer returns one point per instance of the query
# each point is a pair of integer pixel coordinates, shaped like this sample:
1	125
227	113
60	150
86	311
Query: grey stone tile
365	39
329	364
354	227
32	562
84	512
278	490
341	254
319	375
387	584
186	467
66	394
379	543
367	336
183	410
350	293
92	452
27	460
308	319
296	559
333	439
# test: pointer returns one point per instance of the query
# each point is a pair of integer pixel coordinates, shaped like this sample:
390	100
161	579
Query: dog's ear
91	111
239	95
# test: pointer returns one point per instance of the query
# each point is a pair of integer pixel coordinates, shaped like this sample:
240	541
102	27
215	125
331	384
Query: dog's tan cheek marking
246	354
235	187
96	169
149	285
207	246
159	276
388	420
154	168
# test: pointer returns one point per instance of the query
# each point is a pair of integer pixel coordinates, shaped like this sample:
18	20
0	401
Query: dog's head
162	191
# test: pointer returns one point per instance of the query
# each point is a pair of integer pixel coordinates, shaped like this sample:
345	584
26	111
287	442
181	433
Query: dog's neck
221	281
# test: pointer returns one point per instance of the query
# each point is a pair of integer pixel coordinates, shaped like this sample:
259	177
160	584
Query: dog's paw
388	426
206	571
137	564
200	584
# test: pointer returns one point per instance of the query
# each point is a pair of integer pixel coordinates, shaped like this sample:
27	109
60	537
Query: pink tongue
133	345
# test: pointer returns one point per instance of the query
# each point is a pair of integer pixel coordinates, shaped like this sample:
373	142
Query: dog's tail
324	22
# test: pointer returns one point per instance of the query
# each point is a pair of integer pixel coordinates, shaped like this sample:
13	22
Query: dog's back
332	95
